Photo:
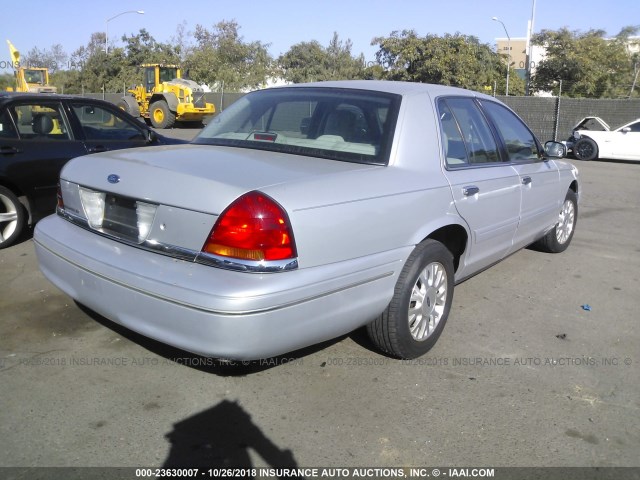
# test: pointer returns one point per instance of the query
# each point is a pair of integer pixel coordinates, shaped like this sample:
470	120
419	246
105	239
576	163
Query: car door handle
97	149
6	150
470	190
526	180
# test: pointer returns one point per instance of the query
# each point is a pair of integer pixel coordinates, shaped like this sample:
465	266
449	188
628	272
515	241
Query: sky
283	23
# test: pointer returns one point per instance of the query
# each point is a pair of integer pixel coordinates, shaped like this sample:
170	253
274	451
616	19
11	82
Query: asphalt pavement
537	366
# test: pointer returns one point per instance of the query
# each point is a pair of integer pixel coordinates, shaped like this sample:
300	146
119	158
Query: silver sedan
302	213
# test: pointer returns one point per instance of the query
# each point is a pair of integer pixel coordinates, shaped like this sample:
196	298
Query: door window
37	122
102	124
519	142
466	135
7	130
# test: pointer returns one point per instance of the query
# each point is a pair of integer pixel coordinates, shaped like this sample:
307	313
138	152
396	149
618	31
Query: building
519	54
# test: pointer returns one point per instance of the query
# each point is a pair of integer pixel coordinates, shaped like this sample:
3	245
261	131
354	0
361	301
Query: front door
486	190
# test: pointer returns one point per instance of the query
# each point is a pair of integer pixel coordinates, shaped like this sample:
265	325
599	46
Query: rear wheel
585	149
160	115
418	311
12	217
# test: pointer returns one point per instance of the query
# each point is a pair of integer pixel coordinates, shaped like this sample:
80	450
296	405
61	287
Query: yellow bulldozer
29	79
166	98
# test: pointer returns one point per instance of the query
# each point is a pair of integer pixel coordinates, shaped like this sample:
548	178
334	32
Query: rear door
485	188
35	143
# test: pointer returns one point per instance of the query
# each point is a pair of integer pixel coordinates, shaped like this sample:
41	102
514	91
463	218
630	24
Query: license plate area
120	217
124	218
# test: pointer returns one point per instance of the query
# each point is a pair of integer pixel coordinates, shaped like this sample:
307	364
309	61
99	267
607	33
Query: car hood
197	177
592	123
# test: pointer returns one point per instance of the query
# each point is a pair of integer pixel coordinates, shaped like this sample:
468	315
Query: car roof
8	96
399	88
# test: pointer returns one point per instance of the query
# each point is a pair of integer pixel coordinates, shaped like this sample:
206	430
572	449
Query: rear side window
466	136
7	130
519	142
37	122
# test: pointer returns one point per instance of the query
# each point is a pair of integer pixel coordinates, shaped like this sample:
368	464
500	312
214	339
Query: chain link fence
550	118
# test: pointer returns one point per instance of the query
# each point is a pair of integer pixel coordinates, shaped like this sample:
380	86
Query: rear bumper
210	311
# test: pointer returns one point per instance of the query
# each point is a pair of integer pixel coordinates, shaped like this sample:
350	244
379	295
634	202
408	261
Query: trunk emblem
113	178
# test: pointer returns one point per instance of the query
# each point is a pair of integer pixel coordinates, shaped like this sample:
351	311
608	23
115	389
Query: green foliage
457	60
588	64
221	57
311	62
54	59
7	80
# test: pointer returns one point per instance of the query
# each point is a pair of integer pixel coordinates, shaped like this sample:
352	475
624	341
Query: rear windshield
333	123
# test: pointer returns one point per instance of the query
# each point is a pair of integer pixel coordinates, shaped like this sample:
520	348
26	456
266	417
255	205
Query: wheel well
6	184
574	187
454	237
169	98
24	199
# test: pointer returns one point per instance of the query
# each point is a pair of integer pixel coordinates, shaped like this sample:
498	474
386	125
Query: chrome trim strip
187	254
272	266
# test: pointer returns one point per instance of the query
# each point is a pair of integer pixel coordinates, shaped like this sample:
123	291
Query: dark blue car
39	133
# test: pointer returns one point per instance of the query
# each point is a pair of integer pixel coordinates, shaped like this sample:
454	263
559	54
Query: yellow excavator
166	98
29	79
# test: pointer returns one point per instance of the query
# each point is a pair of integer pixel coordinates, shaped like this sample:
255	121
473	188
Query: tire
12	218
418	311
129	105
160	115
559	237
585	149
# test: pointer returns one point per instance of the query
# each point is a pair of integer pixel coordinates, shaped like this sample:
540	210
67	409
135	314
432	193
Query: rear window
337	124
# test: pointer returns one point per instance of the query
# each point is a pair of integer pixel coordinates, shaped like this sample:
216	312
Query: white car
592	138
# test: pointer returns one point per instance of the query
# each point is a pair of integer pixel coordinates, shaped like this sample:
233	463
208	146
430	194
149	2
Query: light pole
530	47
106	24
509	49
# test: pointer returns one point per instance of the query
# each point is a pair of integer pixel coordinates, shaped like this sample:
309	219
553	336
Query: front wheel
160	115
12	218
418	311
559	237
585	149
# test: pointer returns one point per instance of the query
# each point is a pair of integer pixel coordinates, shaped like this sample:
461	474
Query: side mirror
626	129
555	149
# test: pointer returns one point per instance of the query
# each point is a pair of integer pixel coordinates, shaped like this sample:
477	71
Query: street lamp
508	48
106	23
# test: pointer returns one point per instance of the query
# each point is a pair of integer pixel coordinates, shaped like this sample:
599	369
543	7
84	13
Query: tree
221	57
588	64
457	60
310	62
54	59
7	80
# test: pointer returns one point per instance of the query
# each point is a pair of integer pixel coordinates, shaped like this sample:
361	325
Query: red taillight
254	227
